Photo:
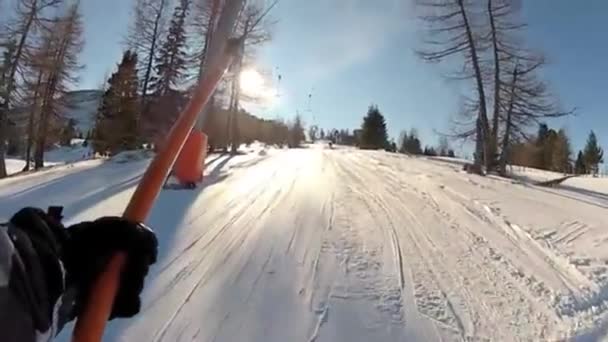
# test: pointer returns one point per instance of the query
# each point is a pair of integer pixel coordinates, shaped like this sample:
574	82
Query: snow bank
14	165
69	154
130	156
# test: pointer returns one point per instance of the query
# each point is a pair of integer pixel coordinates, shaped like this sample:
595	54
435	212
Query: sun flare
252	83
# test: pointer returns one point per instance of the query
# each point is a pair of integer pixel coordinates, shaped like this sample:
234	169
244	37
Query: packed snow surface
346	245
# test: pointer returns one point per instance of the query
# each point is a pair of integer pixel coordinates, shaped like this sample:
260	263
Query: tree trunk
505	142
11	79
228	131
234	112
30	125
483	112
30	140
478	158
41	138
47	98
46	108
497	84
151	53
237	91
231	116
3	172
208	34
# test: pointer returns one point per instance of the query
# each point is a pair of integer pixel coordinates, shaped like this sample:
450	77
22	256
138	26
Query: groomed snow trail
347	245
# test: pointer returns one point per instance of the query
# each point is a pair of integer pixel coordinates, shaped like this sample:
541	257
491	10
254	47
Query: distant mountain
81	105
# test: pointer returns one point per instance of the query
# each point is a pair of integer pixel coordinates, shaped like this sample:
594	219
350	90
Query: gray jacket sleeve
33	305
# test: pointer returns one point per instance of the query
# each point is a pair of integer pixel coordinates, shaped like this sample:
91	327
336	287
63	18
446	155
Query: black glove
39	241
89	247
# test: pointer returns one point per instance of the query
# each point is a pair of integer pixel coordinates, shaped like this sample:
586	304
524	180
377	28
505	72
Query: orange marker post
92	321
189	166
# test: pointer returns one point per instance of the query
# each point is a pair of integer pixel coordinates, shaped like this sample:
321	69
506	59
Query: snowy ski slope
347	245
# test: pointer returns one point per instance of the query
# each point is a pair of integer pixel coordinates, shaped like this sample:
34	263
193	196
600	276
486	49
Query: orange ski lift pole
91	322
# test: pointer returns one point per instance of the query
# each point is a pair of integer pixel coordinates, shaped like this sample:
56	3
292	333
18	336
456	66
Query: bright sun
252	83
256	87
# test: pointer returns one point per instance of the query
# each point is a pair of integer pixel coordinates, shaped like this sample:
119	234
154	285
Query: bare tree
455	31
253	29
33	83
527	102
144	39
27	19
494	57
63	43
202	24
520	97
506	48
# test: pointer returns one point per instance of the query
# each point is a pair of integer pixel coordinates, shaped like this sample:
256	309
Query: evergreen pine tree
546	151
167	85
5	66
373	130
579	165
296	133
68	133
144	40
561	152
543	132
416	147
593	154
430	151
411	144
116	125
403	142
444	146
171	63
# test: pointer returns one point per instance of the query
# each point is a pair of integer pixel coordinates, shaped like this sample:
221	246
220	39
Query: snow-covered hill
82	106
56	156
346	245
581	187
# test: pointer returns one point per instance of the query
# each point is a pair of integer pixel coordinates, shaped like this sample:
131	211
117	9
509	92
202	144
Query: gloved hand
40	240
89	248
55	262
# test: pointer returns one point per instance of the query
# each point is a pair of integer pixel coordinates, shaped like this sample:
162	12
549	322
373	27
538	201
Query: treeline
374	135
165	52
41	42
164	62
251	128
337	136
551	150
508	96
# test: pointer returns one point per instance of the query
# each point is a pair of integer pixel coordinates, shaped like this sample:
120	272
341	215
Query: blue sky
350	53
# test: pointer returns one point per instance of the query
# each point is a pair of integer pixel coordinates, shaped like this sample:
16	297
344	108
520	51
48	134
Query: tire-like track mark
231	245
464	268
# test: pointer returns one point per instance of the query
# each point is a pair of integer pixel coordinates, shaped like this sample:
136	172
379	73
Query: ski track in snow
344	245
